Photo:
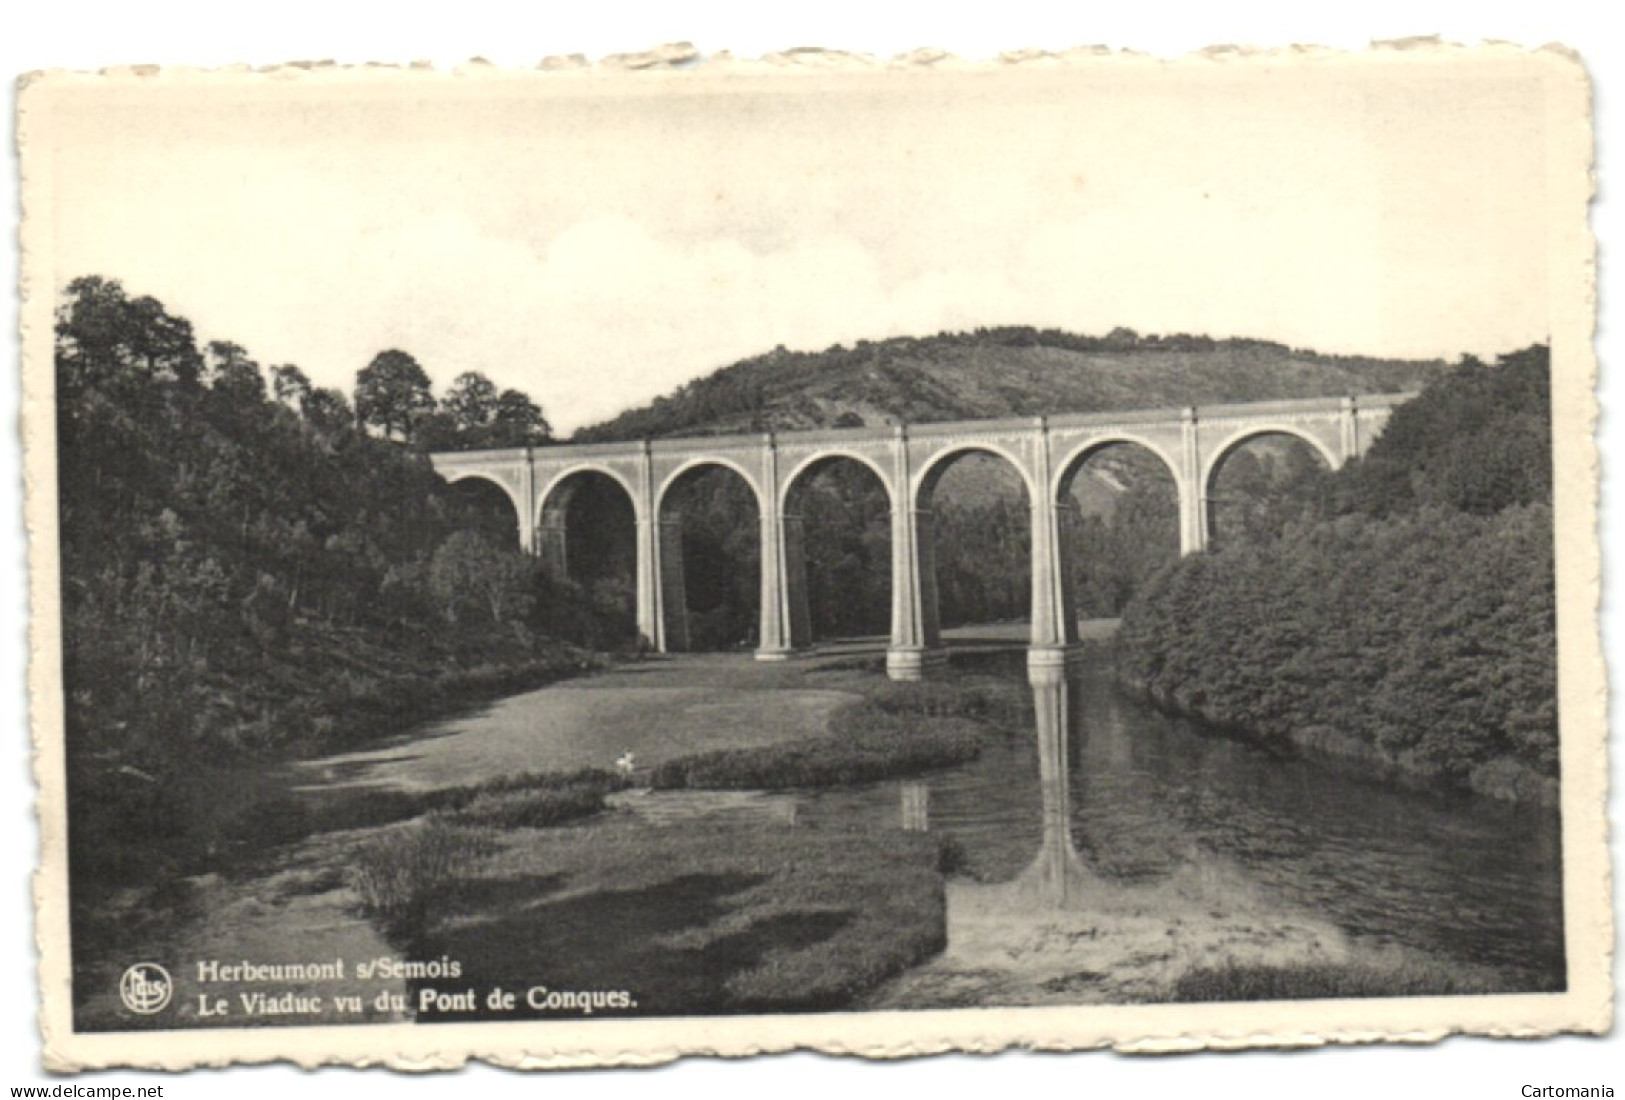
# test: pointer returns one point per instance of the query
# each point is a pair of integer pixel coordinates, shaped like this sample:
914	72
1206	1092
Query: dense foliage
1410	621
1479	440
846	535
243	571
475	415
721	554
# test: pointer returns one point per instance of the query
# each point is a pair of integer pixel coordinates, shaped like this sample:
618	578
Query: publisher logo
145	988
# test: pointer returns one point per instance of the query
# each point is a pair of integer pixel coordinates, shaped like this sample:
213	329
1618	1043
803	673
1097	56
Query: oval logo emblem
145	988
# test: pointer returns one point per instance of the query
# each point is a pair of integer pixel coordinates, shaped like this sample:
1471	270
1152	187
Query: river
1149	796
1107	847
1144	796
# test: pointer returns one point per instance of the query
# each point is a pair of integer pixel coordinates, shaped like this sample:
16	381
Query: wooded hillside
243	574
1408	620
1019	371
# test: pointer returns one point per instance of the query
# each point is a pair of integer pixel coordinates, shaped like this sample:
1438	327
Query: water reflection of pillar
673	593
1057	877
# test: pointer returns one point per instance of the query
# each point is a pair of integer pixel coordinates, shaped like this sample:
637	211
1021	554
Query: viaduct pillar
1193	521
1054	614
1349	424
527	494
777	636
915	648
651	626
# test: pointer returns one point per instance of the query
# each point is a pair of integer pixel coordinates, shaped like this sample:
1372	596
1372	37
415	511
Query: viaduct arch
551	522
1192	442
673	581
1328	455
922	495
1067	470
800	477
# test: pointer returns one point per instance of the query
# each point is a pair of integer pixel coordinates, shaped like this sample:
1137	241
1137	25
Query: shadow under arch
709	515
1118	513
586	534
487	505
838	549
973	535
1261	479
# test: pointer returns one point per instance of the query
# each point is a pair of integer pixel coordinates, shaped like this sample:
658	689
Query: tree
290	385
1478	440
238	580
472	401
518	421
327	410
438	431
1413	623
233	375
103	336
391	393
471	579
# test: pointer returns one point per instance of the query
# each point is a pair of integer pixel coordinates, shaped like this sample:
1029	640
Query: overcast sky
599	245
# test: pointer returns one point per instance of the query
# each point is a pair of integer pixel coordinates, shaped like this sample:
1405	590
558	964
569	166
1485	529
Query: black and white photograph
683	554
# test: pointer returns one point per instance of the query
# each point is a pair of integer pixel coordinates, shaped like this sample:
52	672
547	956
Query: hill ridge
992	373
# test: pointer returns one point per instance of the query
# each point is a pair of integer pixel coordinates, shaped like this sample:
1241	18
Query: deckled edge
686	57
37	413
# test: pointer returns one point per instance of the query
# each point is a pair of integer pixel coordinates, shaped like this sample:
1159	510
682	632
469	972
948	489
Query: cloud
596	252
607	313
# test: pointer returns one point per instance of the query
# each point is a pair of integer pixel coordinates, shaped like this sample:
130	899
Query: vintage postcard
593	564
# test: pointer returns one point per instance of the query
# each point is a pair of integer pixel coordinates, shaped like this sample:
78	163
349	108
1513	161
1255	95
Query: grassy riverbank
894	730
1379	975
514	873
531	882
526	800
401	873
715	914
129	824
711	917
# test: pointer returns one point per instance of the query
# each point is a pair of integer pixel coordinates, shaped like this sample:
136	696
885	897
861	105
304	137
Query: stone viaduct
908	460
